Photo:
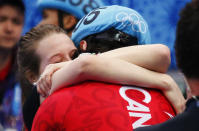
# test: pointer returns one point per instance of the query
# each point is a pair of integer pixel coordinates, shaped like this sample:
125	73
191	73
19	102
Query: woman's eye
56	59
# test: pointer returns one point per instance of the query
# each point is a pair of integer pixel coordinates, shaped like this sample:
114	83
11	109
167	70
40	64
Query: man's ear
32	78
69	21
83	45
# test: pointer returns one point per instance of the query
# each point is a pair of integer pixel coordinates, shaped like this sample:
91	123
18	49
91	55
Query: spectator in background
66	13
186	47
11	25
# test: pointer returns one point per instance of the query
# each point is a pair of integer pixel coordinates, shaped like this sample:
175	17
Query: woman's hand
174	94
44	83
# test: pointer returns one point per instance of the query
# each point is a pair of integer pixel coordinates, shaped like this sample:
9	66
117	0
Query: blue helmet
121	18
78	8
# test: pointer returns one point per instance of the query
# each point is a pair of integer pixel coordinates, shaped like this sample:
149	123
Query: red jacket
101	106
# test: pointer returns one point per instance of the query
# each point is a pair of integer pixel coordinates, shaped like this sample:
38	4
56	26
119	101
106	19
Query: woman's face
55	48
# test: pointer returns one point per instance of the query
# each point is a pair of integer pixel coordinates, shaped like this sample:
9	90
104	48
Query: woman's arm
91	67
154	57
108	69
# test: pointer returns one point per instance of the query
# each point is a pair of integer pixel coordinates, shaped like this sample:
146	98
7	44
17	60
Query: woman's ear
83	45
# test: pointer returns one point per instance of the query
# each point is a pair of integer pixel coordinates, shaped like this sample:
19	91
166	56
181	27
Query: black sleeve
30	108
187	121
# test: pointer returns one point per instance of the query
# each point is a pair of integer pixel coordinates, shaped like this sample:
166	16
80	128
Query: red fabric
100	106
4	72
